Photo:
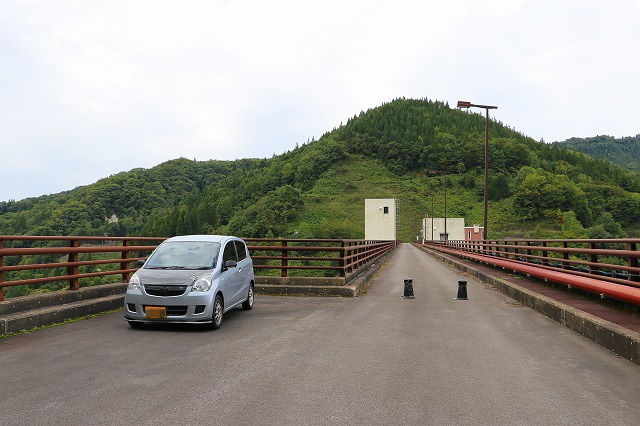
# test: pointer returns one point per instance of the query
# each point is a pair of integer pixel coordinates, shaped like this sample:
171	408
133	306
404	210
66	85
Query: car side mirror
139	263
230	264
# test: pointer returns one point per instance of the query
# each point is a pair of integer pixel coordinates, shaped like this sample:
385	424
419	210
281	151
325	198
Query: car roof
208	238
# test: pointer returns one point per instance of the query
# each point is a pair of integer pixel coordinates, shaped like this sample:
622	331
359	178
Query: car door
231	276
245	267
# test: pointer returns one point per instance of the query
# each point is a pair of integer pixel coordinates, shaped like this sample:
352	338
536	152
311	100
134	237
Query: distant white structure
380	219
433	229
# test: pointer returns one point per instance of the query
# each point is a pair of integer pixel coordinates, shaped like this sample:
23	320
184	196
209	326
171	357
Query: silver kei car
192	279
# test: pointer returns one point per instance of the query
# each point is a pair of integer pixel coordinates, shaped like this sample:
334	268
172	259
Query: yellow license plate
156	312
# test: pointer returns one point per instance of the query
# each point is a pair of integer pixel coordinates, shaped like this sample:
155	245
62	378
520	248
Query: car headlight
202	283
134	283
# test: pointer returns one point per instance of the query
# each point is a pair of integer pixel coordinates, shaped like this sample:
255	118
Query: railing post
565	255
283	259
519	252
593	257
544	254
1	272
125	264
341	263
74	282
633	262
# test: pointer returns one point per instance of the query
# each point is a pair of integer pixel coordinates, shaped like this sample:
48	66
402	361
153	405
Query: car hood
169	276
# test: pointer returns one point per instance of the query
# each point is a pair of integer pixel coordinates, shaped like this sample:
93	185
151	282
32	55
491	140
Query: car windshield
184	255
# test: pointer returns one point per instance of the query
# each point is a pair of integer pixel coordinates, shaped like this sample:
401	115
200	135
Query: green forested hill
624	152
318	189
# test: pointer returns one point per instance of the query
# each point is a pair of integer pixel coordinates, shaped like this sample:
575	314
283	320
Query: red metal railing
27	253
608	267
341	256
35	254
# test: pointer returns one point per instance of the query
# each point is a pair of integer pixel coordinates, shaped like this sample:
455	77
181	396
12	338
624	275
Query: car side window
229	253
241	249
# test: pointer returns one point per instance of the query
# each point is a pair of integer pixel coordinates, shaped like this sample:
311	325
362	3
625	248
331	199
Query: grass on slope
334	207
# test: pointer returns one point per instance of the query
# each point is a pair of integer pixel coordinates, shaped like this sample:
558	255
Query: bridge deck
375	359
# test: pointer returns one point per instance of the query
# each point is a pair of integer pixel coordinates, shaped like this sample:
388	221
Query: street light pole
465	104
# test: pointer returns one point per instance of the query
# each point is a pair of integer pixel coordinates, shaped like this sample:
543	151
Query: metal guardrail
608	267
342	256
43	254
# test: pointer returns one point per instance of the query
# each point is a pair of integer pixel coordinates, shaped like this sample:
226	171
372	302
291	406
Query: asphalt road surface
376	359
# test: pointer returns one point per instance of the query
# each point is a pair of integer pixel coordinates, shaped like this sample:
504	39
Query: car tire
136	324
248	304
216	315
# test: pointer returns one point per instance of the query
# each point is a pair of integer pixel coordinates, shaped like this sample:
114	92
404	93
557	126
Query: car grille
173	310
165	290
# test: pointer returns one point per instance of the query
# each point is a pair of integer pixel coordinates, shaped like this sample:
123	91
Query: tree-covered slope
318	189
116	204
624	152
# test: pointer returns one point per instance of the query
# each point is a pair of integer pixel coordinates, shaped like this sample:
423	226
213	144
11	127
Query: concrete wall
380	219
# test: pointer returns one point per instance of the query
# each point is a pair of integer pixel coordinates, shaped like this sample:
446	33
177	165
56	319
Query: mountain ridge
317	190
625	152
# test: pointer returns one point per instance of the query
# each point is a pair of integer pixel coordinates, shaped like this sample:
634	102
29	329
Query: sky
91	88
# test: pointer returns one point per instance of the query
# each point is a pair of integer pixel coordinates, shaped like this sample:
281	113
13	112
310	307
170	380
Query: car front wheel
248	304
216	316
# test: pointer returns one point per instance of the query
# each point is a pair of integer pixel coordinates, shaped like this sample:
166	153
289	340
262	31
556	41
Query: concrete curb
302	290
302	286
28	320
613	337
61	297
37	310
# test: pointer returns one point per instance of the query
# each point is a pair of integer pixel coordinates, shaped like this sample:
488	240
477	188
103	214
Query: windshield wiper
174	267
168	267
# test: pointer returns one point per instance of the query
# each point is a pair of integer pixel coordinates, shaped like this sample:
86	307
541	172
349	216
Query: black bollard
462	290
408	288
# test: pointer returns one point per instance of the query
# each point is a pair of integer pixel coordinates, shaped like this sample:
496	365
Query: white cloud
92	88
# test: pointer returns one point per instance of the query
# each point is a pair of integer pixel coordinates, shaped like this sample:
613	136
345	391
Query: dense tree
624	152
572	227
498	186
537	191
606	227
271	214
